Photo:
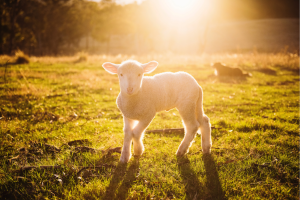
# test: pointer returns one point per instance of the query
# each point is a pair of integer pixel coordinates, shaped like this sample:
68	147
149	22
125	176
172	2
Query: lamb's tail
205	127
199	107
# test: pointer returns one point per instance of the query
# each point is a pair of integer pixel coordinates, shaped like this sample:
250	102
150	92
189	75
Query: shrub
82	57
21	57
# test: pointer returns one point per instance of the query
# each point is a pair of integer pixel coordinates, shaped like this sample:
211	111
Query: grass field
61	114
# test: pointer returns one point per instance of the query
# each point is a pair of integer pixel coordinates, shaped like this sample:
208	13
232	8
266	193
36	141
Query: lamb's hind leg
205	129
191	124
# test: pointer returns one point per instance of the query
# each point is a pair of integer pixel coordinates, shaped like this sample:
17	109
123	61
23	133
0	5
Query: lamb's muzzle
129	90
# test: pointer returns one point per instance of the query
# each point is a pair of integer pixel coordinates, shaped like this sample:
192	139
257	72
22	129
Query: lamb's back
166	90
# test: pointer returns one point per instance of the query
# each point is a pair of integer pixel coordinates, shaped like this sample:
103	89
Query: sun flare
182	5
188	8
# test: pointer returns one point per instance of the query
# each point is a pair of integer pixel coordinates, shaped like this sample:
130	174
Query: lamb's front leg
138	131
126	151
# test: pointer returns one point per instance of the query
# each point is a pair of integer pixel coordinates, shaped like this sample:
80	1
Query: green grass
54	101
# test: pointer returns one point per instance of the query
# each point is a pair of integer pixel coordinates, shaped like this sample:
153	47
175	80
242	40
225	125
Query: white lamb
141	97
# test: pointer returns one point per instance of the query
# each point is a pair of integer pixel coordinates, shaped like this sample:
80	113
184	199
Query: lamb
223	70
142	96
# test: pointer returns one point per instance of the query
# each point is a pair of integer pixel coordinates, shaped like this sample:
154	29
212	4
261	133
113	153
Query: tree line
43	27
55	27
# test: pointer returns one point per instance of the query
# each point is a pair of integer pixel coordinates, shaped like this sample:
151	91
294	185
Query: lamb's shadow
213	183
226	79
196	190
267	71
193	188
127	177
232	79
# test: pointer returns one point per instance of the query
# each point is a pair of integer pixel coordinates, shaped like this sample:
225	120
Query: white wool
163	91
142	96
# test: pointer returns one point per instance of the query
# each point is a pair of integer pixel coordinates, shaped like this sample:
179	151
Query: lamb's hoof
206	151
180	153
124	158
138	153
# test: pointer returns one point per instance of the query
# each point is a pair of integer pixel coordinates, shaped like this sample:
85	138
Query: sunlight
182	5
189	8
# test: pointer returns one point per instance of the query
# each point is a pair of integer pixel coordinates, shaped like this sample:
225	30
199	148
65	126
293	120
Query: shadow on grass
196	190
232	79
213	183
124	175
267	71
294	70
226	79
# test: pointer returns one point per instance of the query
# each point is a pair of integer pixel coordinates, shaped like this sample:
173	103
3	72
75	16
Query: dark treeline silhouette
56	27
258	9
43	27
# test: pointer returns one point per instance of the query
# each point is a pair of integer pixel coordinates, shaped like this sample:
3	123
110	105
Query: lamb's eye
139	75
121	74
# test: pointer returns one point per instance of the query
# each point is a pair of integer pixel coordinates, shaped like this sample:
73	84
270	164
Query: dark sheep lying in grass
142	96
223	70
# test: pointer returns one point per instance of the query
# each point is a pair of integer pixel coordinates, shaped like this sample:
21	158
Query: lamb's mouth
134	92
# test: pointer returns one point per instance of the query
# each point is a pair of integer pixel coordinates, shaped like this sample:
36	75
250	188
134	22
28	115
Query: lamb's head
217	65
130	74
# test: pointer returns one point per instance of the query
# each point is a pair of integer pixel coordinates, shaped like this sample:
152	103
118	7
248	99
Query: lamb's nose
129	89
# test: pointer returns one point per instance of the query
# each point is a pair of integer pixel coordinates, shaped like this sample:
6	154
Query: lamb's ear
110	67
149	67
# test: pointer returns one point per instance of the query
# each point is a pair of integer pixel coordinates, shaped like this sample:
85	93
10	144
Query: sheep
223	70
141	97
